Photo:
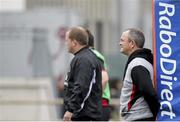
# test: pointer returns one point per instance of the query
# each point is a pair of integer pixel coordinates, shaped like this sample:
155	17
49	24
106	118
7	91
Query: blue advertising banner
166	32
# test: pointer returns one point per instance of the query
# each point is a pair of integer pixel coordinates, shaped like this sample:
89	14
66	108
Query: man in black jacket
138	99
82	87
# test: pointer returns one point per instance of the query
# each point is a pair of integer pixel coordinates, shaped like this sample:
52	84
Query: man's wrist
70	110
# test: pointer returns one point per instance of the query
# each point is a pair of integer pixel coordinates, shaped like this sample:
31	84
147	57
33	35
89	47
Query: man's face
69	43
125	44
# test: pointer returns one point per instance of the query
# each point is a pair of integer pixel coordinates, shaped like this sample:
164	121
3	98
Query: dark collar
81	50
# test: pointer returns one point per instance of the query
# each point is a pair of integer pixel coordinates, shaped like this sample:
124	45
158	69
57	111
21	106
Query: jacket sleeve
141	78
83	74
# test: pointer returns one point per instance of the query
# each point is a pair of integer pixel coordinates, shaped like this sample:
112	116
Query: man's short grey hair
137	36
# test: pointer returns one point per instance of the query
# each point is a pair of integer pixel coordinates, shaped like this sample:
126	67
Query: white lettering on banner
165	22
167	65
167	7
167	34
171	63
163	47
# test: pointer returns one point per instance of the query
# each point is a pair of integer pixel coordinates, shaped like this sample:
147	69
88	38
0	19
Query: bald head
79	34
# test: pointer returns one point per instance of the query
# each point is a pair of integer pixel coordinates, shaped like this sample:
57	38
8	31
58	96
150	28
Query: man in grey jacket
138	99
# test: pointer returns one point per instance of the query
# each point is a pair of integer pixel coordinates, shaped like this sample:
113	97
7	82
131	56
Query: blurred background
34	58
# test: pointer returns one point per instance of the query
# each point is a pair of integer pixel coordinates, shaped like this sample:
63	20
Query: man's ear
133	43
74	42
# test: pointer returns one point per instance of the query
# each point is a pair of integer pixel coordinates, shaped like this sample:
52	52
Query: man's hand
67	116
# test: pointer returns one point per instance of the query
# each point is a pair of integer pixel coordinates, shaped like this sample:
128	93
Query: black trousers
105	113
146	119
84	118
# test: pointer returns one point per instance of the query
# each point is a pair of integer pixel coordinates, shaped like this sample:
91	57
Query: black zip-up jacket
83	88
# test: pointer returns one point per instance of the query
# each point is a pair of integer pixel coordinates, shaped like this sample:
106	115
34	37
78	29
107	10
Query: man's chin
123	52
69	51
